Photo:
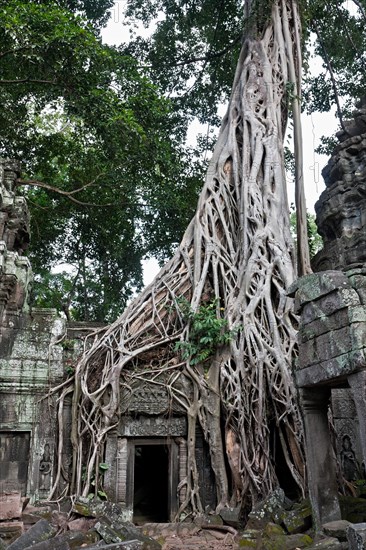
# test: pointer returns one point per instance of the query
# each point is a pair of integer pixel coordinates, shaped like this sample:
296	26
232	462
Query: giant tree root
237	250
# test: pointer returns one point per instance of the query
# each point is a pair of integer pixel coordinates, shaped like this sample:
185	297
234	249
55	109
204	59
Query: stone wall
31	355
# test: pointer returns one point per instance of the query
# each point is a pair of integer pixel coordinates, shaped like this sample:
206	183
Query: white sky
314	126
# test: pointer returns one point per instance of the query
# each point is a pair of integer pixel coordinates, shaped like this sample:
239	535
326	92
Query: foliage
339	28
314	239
87	123
193	52
207	331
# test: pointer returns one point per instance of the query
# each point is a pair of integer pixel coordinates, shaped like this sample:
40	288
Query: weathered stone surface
353	509
269	510
326	371
10	506
113	531
337	529
299	519
356	536
130	545
315	286
39	532
327	543
95	508
207	520
232	516
150	426
81	524
10	530
299	540
341	207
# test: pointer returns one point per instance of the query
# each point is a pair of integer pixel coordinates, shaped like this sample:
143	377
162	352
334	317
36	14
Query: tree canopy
106	126
193	52
105	174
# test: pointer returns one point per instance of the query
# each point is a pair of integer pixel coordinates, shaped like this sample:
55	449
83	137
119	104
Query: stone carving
15	271
349	464
153	426
45	469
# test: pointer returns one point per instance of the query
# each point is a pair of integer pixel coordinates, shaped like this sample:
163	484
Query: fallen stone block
232	516
299	519
128	545
327	543
113	531
207	520
39	532
95	508
81	524
299	540
250	538
356	536
353	509
337	529
11	505
68	541
269	510
10	530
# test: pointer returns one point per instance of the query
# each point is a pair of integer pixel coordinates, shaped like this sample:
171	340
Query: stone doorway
14	457
153	480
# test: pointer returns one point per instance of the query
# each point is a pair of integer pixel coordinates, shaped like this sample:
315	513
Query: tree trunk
237	250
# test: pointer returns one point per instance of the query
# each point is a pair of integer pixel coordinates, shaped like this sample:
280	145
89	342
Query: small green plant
103	467
207	332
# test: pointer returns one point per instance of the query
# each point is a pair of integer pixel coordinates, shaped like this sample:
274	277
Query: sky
314	126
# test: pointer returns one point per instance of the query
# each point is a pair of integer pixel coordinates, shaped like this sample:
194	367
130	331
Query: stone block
337	367
10	530
68	541
81	524
343	405
130	545
337	529
113	531
314	286
328	323
10	505
39	532
299	519
269	510
353	509
327	543
232	516
356	536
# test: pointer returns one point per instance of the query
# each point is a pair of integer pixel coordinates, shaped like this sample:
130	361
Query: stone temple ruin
147	452
331	303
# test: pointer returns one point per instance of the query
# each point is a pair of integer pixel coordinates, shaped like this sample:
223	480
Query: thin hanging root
238	250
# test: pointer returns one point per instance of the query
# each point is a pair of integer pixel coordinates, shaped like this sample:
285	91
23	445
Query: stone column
183	469
357	383
320	458
111	474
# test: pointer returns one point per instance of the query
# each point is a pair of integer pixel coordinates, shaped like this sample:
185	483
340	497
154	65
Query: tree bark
237	250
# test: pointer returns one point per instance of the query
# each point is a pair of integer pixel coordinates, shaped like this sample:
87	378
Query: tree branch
331	74
209	56
28	81
360	7
68	194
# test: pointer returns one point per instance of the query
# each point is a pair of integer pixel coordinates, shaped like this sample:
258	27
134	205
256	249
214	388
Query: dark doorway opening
283	473
14	458
151	481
